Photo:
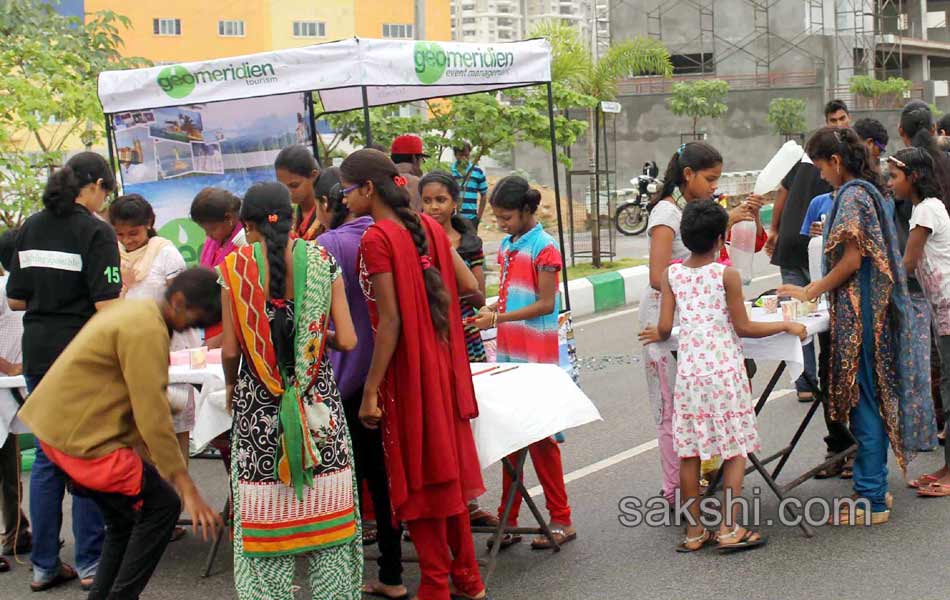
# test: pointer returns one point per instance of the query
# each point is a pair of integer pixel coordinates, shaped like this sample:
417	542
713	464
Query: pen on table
483	371
504	370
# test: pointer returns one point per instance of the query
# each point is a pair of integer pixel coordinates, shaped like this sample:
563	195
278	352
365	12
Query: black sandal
4	565
507	541
702	539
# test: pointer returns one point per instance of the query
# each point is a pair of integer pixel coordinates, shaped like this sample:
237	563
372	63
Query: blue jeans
800	277
47	489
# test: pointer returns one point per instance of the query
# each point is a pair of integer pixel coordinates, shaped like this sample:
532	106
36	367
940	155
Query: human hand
770	243
754	202
793	291
203	517
370	414
793	328
485	319
650	335
816	229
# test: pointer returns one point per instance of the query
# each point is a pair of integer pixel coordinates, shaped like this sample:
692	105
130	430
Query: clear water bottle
816	246
742	249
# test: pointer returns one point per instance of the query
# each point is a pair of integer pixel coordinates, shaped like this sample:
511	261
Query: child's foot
696	542
739	538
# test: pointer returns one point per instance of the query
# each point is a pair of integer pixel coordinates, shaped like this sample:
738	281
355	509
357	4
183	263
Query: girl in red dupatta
419	386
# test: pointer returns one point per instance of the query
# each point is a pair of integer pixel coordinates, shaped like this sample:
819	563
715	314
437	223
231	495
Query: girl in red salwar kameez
419	386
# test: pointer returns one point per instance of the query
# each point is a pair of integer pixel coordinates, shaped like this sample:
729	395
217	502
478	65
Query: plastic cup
790	310
770	304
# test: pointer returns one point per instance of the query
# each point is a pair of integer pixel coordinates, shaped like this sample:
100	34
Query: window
310	29
166	26
399	32
468	21
690	64
231	28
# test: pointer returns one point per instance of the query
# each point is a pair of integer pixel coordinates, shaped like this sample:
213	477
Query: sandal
508	540
922	481
178	533
562	535
4	565
846	519
934	490
689	543
370	589
482	518
806	397
748	540
64	575
830	471
847	469
86	584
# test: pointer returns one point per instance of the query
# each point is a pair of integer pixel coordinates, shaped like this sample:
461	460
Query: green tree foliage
703	98
787	116
888	92
49	67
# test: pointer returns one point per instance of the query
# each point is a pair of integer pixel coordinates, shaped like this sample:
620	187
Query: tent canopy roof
391	71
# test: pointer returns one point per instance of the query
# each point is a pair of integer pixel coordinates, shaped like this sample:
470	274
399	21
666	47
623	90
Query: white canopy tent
347	74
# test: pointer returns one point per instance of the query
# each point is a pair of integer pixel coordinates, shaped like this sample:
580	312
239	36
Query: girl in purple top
342	240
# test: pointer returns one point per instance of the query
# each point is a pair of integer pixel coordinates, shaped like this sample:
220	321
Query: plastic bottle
742	249
771	176
816	247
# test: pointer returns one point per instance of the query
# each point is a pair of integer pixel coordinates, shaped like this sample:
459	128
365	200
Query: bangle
494	319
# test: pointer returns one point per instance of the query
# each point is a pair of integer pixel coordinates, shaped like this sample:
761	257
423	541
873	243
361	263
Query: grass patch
584	269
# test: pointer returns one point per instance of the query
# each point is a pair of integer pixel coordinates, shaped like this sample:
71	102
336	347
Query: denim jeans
47	490
800	277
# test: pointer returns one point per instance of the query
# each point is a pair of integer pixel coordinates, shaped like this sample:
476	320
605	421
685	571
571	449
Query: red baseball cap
407	144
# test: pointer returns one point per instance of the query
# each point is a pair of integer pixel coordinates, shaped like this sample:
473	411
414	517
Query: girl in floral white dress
713	412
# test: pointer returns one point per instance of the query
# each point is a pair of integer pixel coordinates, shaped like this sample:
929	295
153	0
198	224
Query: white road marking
626	455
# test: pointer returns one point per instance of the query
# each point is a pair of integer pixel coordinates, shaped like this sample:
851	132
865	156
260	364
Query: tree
880	93
703	98
49	68
573	64
787	116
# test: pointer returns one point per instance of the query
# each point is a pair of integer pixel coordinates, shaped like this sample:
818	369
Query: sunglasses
346	190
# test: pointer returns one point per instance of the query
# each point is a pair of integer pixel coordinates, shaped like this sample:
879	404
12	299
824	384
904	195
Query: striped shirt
532	340
472	188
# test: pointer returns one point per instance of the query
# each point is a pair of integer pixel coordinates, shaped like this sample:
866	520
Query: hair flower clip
426	262
272	218
400	180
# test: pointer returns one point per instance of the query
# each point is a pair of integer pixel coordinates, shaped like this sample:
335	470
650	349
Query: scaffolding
761	45
868	40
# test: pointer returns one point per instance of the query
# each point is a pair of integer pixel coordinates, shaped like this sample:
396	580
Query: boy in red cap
408	155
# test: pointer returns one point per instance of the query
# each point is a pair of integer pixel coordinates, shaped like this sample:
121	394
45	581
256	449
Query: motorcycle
632	216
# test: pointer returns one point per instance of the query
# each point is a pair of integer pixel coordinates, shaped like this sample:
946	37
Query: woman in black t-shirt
65	268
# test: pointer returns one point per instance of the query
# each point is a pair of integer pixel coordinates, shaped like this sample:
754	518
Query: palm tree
573	64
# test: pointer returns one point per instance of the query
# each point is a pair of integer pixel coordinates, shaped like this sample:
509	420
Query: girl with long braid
419	387
292	475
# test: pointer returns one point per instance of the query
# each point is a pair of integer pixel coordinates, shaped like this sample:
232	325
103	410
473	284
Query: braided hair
369	165
327	188
267	206
917	123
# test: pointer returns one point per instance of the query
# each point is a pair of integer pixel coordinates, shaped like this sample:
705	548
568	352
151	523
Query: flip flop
743	543
482	518
922	481
934	490
65	575
178	533
560	535
508	540
367	590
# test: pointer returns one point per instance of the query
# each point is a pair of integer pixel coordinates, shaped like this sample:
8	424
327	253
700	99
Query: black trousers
137	531
839	438
371	466
10	493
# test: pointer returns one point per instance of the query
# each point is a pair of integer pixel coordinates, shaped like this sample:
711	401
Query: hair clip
272	218
400	180
425	261
898	163
681	148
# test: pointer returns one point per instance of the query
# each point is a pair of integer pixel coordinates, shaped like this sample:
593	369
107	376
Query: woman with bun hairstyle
297	169
65	268
877	380
527	320
419	387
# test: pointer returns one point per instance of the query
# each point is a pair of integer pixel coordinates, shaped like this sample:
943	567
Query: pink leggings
669	460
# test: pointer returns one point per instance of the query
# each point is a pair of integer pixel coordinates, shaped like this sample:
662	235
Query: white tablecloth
777	347
516	407
9	423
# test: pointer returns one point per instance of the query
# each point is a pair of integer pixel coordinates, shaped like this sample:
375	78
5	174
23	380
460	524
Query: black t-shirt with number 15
62	266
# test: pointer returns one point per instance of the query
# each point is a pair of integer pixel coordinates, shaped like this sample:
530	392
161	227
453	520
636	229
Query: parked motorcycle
633	215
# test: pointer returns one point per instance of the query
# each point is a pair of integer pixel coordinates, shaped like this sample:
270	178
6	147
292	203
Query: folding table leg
806	528
213	552
516	472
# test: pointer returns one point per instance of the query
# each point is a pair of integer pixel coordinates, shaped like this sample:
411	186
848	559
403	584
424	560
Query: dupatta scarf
244	278
860	215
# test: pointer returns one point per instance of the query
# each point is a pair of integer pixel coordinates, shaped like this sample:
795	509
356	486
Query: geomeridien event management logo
178	82
433	63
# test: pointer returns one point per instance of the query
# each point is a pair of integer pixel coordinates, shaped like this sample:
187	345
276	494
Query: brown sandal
65	575
562	535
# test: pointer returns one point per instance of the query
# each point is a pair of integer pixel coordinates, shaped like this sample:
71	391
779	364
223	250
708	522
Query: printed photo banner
393	71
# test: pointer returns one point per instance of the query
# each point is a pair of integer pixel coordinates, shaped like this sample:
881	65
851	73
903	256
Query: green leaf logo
430	60
176	81
187	236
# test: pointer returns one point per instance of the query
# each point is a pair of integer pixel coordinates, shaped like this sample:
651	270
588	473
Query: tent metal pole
369	132
112	162
557	195
313	128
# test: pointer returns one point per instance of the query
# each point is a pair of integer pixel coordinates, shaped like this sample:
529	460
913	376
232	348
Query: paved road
613	459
